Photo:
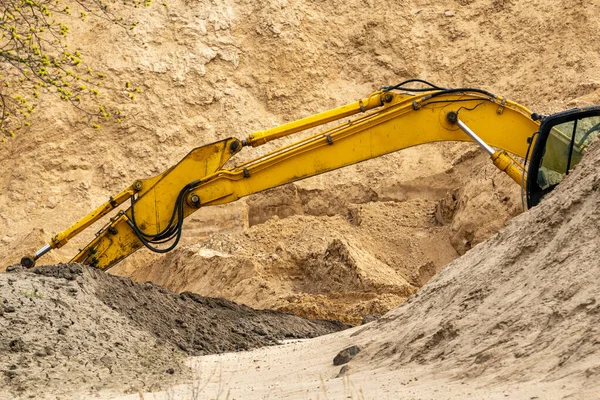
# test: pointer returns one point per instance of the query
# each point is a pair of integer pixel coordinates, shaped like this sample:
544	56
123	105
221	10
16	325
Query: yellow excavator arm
388	120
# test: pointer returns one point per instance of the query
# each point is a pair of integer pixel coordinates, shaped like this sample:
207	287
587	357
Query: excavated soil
522	307
76	329
343	245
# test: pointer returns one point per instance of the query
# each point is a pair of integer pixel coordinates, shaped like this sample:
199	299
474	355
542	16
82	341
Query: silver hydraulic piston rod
500	158
475	138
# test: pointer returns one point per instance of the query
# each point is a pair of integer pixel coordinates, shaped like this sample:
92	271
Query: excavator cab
562	141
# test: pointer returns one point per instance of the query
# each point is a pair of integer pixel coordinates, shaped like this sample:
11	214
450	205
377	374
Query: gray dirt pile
522	307
69	330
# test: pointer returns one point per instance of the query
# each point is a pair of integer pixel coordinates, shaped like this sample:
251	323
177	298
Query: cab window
566	145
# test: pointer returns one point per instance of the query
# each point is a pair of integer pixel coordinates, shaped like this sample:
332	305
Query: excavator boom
387	121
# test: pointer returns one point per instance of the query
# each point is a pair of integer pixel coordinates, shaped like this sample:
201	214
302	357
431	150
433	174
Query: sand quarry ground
513	317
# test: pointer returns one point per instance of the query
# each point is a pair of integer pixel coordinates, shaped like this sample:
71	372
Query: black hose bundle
401	85
173	229
432	87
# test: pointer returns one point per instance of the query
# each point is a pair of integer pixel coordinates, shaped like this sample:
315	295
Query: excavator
396	117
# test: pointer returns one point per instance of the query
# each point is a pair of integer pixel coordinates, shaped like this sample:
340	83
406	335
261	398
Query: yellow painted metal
154	204
63	237
376	99
510	166
397	125
387	122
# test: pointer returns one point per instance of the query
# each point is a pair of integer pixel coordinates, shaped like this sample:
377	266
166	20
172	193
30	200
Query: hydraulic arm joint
500	158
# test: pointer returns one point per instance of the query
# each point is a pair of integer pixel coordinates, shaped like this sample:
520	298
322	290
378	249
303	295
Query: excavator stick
153	200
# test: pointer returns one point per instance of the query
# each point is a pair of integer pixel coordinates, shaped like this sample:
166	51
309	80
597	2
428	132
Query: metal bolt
137	185
452	117
195	199
388	97
28	262
234	146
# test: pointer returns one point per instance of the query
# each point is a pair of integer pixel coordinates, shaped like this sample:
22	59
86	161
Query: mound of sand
68	329
522	307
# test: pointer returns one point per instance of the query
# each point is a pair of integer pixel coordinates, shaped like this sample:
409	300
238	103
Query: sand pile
522	307
68	329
